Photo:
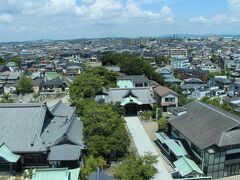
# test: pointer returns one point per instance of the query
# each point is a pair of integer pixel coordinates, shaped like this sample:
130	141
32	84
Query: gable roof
21	126
100	175
137	79
64	152
35	127
6	154
55	81
204	124
56	173
186	166
163	91
64	125
143	95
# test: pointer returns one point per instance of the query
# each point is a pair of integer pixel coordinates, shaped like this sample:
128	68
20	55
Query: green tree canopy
85	86
90	165
104	131
24	85
215	58
2	61
90	82
136	168
162	60
162	124
132	65
17	60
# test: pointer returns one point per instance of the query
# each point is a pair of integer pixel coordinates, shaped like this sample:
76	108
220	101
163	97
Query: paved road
144	144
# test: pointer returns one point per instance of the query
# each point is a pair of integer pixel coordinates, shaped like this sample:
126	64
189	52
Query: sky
22	20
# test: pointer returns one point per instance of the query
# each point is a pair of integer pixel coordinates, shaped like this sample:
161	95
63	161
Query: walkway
144	144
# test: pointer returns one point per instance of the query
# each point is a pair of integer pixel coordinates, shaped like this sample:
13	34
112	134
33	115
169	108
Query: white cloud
167	14
234	4
6	17
216	19
51	18
99	9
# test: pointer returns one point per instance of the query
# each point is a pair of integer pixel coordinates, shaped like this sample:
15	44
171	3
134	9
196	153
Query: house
133	81
53	85
187	168
11	65
172	81
200	93
180	62
51	75
222	82
211	136
165	97
56	173
36	84
34	135
208	66
235	87
191	84
132	99
73	71
234	102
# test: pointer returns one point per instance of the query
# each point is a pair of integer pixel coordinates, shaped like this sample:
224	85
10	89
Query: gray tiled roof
99	175
35	127
137	78
64	125
20	124
204	124
61	109
64	152
75	132
230	138
144	95
55	81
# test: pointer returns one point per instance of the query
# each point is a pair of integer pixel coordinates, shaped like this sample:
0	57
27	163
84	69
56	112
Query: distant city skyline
22	20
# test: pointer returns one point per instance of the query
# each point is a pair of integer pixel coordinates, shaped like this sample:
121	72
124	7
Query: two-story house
165	97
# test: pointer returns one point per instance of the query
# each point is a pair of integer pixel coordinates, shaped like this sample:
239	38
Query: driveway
144	144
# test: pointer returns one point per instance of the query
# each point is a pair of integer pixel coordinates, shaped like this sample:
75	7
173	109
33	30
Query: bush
146	115
162	124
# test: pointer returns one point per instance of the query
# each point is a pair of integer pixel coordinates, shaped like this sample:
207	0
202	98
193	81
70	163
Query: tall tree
104	131
24	85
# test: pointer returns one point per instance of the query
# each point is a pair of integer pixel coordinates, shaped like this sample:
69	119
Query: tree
215	58
162	60
91	82
132	65
2	61
17	60
90	165
104	131
136	168
85	86
162	124
24	85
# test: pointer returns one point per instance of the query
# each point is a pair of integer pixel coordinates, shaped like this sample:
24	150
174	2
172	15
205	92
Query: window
232	156
169	99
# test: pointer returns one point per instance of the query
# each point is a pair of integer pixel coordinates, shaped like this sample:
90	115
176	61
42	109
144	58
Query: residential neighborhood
144	108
